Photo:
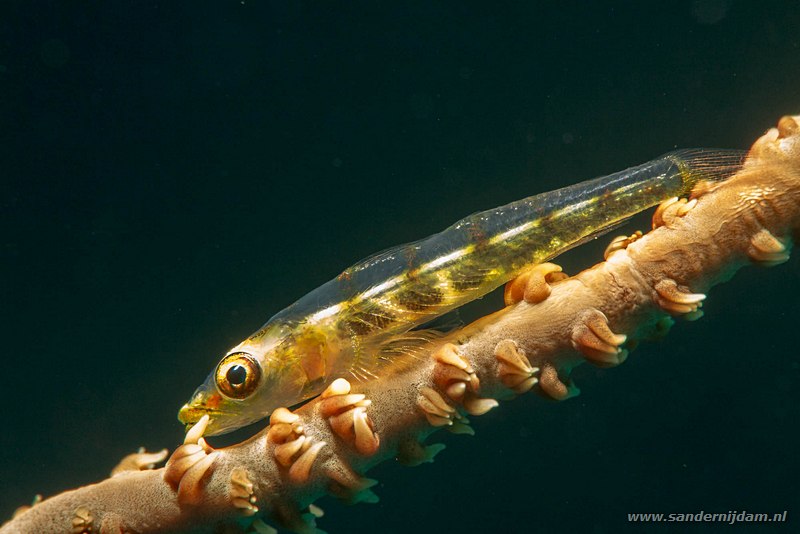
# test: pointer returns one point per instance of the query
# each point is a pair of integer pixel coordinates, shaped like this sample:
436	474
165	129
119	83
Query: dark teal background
173	173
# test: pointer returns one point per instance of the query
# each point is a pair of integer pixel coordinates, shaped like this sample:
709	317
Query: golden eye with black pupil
238	375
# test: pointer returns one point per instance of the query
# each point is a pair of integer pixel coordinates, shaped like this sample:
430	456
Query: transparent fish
360	324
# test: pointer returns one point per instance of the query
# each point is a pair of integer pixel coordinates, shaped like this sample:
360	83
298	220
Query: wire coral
551	324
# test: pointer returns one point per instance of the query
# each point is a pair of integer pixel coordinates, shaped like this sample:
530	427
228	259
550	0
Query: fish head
248	383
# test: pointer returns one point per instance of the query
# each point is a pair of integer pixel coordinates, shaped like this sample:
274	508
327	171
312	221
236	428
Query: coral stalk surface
551	324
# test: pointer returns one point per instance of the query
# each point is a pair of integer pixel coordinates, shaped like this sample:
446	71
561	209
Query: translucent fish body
343	328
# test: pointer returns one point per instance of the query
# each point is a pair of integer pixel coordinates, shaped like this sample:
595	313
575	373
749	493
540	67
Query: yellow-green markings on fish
419	301
358	323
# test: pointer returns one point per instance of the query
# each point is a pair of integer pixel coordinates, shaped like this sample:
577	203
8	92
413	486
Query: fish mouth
189	415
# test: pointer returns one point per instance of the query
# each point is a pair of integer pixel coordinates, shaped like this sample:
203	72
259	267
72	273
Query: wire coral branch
551	324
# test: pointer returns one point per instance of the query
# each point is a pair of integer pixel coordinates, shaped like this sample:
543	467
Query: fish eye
238	375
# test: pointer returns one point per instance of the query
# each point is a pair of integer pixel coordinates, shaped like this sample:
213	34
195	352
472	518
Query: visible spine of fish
407	286
411	284
550	325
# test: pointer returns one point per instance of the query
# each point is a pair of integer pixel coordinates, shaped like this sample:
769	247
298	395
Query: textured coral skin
748	218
